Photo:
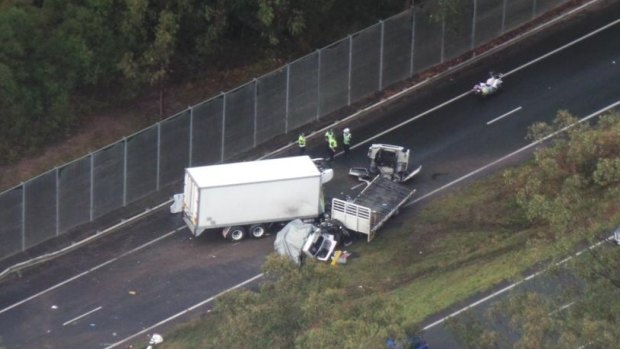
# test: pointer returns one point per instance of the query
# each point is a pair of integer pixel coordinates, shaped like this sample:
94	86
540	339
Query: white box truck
244	198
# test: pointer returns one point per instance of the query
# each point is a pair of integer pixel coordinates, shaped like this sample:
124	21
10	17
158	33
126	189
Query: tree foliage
55	53
304	307
570	191
567	179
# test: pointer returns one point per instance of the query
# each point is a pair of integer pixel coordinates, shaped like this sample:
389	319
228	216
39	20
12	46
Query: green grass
432	258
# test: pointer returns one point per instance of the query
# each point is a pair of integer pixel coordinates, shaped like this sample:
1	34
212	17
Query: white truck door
191	200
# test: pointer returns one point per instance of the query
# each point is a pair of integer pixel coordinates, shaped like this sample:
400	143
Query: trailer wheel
236	233
258	231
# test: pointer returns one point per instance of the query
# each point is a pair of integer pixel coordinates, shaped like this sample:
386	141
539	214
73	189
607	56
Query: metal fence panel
458	31
303	94
428	40
397	33
542	6
270	106
334	77
207	132
141	164
365	58
74	194
488	20
108	174
517	13
174	148
40	215
11	218
239	120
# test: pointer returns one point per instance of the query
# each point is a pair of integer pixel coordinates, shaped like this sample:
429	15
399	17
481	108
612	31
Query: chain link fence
277	103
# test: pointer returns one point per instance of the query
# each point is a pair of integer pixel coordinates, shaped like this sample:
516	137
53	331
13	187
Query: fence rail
302	92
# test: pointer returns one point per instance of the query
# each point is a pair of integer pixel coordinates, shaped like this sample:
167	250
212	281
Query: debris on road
155	339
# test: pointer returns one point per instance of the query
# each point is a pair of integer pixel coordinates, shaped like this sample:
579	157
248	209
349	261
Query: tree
570	193
304	307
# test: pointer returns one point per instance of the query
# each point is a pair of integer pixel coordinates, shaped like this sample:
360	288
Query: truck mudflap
192	227
367	213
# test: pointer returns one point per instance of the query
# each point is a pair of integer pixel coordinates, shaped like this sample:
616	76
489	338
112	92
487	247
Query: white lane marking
522	149
46	257
505	115
531	276
419	199
592	33
89	271
425	196
371	138
510	287
410	120
208	300
81	316
523	66
564	307
457	67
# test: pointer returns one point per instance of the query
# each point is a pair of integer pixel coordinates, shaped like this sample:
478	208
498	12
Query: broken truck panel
379	201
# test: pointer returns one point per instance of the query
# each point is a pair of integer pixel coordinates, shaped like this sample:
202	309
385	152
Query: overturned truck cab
386	160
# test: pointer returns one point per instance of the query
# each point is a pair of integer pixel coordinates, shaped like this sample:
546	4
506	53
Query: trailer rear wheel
236	233
258	231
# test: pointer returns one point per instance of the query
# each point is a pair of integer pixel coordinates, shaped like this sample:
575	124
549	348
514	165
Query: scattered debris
133	293
54	307
340	257
155	339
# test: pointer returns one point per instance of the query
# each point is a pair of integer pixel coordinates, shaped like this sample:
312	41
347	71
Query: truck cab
389	161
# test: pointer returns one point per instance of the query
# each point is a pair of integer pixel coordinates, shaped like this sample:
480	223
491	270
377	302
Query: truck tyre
258	231
236	233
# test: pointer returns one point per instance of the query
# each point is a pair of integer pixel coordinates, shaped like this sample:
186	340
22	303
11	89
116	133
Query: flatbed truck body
372	207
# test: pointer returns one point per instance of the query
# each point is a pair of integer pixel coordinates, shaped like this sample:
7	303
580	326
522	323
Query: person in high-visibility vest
301	142
332	145
329	134
346	141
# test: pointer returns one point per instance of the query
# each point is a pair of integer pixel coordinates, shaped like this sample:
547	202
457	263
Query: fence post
381	55
443	37
24	216
223	127
318	86
158	171
57	201
124	171
286	104
191	135
473	28
412	40
350	69
92	187
504	17
255	110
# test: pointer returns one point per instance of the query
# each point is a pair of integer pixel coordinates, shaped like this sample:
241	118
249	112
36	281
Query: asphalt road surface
127	284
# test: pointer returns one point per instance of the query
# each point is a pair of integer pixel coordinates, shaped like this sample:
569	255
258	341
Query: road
123	285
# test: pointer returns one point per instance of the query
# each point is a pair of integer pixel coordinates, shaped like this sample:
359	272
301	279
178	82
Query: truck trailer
245	198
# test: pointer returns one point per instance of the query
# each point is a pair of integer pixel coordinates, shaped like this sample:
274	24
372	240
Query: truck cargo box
251	192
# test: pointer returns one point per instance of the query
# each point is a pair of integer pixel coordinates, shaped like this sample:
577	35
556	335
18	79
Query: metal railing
299	93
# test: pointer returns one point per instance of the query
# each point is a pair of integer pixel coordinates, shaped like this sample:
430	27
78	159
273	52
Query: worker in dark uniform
301	142
346	141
